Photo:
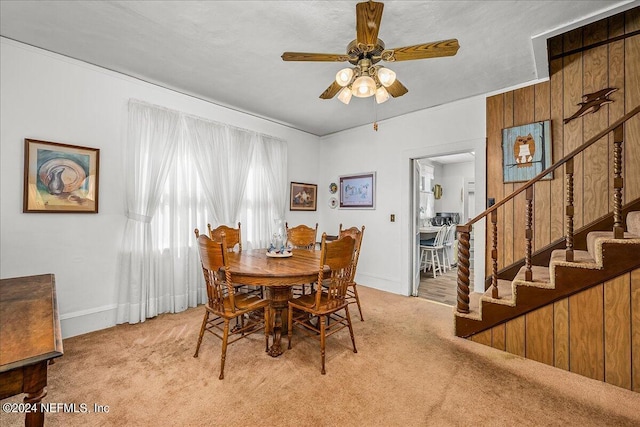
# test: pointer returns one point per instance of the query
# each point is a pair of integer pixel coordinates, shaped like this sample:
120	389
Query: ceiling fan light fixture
365	51
381	95
386	76
363	87
344	76
345	95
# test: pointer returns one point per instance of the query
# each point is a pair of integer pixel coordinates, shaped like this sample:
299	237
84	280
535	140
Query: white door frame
406	245
415	228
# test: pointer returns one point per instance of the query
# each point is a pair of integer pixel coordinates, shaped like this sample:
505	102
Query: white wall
385	262
452	178
53	98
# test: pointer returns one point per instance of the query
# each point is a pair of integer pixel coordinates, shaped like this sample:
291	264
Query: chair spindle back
213	256
302	236
357	236
338	256
234	235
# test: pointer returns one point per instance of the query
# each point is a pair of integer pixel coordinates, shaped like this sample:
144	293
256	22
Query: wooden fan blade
324	57
397	89
331	91
422	51
368	17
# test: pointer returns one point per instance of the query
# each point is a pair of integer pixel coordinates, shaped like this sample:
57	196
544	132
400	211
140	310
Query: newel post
464	235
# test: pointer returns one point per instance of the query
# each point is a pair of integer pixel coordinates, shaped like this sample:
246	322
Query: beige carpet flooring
409	371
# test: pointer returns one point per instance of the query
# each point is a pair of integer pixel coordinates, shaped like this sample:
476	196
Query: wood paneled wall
587	70
594	333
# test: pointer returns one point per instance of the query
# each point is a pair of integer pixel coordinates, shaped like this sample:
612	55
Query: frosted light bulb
345	95
344	76
386	76
381	95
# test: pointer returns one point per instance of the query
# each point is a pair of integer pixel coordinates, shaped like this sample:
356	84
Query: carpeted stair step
595	237
581	259
505	293
475	312
633	222
541	277
476	300
633	232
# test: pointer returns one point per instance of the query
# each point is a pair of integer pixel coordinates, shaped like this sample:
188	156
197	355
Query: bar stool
429	256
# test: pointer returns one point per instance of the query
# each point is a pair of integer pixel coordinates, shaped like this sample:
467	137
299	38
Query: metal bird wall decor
591	102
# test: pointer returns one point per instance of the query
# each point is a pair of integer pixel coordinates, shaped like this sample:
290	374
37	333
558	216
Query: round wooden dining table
277	275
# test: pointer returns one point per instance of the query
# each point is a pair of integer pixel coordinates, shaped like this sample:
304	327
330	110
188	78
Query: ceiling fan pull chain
375	116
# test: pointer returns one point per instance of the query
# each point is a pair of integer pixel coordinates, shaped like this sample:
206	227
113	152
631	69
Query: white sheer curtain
265	199
222	156
179	283
152	140
275	152
181	173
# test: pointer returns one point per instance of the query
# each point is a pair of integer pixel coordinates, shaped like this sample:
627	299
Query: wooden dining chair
223	304
352	289
327	305
234	235
301	237
234	239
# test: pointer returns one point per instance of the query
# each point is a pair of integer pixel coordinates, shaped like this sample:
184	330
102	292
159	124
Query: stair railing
464	231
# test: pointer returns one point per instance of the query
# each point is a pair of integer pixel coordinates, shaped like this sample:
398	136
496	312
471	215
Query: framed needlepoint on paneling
526	151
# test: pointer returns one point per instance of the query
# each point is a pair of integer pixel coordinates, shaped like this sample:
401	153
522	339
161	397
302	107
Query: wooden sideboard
31	338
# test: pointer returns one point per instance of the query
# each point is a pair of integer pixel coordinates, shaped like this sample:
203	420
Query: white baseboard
378	282
95	319
85	321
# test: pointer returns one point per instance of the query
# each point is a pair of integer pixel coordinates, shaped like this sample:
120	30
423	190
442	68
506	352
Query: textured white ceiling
228	52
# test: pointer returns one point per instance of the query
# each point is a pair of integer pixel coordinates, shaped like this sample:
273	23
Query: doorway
445	196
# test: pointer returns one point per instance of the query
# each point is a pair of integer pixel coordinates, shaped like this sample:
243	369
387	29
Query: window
183	172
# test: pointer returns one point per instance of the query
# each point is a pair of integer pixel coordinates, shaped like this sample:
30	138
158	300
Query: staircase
605	259
579	311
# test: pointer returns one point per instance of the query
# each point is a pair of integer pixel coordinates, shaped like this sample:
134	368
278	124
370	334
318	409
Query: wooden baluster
494	255
618	183
528	274
464	232
568	170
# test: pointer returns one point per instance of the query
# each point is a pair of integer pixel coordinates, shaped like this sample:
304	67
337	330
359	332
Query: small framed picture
303	197
60	178
358	191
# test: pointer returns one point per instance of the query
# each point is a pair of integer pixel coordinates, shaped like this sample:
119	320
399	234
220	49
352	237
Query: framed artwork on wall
60	178
303	197
358	191
526	151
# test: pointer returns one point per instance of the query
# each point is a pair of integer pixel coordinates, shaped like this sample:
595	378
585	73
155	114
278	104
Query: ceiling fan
366	78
